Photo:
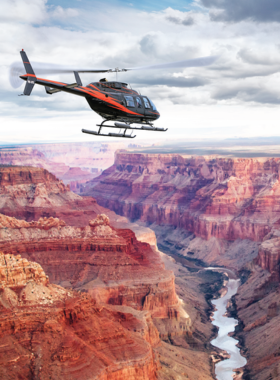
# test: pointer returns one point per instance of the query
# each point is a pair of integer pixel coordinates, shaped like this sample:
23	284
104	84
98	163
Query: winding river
224	369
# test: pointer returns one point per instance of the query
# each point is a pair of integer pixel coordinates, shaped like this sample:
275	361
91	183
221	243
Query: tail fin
31	79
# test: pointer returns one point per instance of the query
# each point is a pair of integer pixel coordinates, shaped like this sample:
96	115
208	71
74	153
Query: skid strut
123	126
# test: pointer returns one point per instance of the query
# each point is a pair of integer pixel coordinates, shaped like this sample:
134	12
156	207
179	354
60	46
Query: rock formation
48	332
224	211
78	248
30	193
110	264
226	198
269	253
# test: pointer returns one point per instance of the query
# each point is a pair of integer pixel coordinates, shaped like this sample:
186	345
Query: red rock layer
212	197
15	271
47	332
269	253
29	156
110	264
30	193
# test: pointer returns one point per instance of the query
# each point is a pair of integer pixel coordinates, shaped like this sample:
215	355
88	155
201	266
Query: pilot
103	80
139	104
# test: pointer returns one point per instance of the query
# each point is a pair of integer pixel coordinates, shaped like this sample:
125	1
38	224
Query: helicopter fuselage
111	100
121	103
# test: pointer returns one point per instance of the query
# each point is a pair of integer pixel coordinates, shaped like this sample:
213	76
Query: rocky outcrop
258	308
42	223
269	253
226	198
47	332
110	264
16	271
74	163
31	193
30	156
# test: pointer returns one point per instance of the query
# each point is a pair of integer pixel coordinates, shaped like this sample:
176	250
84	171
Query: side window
153	105
129	101
138	102
147	105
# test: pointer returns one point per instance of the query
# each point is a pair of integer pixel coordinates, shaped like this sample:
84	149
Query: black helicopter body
113	100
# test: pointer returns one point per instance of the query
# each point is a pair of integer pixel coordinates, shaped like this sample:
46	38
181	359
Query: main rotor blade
196	62
17	69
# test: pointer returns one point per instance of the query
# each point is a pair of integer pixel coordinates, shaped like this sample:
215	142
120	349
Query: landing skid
122	126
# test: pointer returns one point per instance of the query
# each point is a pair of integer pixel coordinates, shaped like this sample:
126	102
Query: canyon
224	211
74	163
104	246
77	284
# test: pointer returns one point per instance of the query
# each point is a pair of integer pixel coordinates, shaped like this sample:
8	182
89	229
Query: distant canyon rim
204	210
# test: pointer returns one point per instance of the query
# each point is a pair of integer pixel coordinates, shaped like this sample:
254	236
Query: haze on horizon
237	96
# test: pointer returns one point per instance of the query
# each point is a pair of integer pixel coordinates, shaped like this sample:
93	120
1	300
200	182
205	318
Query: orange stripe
51	81
103	97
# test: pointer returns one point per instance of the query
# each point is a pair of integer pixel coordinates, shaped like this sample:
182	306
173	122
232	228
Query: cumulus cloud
238	10
187	21
33	12
170	81
245	77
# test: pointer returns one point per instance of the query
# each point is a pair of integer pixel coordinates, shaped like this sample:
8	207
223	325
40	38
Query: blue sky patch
144	5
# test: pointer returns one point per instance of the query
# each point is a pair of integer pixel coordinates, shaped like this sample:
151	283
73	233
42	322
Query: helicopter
112	100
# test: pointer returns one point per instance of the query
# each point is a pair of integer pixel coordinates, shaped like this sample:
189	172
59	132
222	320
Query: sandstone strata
224	211
50	333
110	264
31	193
226	198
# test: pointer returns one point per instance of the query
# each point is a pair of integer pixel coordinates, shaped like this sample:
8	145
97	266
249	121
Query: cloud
170	81
243	81
34	12
239	10
176	20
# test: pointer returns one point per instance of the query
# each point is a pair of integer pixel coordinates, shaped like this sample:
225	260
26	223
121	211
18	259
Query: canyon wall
30	193
83	251
224	211
74	163
212	197
47	332
110	264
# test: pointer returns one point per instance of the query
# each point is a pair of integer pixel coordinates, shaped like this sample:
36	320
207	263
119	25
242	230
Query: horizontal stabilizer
50	90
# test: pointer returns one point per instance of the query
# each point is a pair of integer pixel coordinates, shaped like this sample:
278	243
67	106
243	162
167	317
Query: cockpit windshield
153	105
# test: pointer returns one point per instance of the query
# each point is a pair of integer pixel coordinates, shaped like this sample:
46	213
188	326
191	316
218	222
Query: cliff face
211	197
258	308
50	333
110	264
74	163
117	273
30	193
269	254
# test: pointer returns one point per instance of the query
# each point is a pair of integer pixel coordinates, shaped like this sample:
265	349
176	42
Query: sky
237	96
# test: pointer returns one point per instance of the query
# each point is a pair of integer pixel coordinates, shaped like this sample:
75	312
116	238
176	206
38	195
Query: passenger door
139	105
